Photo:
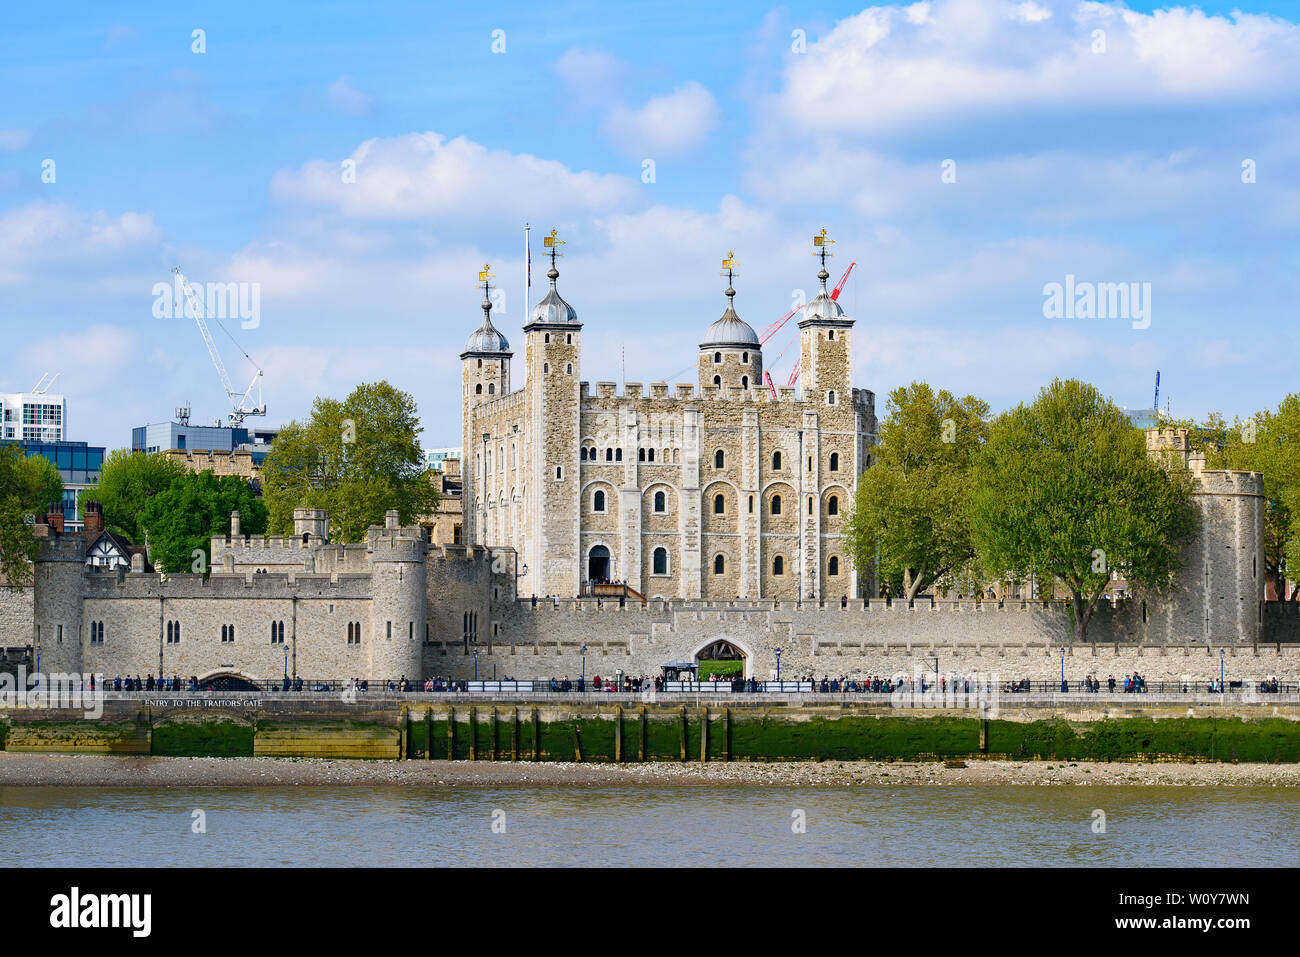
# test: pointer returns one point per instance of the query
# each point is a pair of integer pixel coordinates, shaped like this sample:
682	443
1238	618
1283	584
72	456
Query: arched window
568	368
719	565
717	380
776	460
717	357
478	389
718	459
640	455
660	502
833	505
650	455
778	565
568	338
609	455
719	504
831	337
618	455
835	461
660	561
492	388
547	338
833	566
546	368
830	397
776	505
744	357
810	504
582	453
598	501
744	382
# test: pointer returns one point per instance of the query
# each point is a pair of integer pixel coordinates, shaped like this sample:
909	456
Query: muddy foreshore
18	770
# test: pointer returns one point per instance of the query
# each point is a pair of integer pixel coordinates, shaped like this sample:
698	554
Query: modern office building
165	436
78	465
33	416
434	458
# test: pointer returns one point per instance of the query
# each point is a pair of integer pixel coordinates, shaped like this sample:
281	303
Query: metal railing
847	690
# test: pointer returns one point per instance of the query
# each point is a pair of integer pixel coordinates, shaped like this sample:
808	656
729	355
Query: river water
677	826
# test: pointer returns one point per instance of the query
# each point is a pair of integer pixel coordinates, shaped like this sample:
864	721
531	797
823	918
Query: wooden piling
473	734
704	734
682	736
537	735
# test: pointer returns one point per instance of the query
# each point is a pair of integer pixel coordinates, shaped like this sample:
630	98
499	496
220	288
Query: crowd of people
1133	683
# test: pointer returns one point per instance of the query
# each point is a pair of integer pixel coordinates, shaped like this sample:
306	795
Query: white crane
239	401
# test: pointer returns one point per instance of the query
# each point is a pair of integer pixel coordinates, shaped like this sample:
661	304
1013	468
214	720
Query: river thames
736	826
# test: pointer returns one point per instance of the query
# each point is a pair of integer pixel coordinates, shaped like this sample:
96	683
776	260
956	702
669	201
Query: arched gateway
721	657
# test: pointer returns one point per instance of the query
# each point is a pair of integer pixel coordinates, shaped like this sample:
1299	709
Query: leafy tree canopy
126	483
28	486
182	518
910	507
1064	490
356	459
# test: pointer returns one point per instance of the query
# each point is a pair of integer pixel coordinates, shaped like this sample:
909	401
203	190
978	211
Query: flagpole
528	271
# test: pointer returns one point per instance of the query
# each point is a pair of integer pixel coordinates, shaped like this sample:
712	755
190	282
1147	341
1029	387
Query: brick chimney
54	518
93	520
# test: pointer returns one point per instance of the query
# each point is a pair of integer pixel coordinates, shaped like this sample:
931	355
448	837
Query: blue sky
1122	165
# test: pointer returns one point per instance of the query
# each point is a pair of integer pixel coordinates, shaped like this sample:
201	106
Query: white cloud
88	358
590	77
11	140
664	125
418	176
890	68
346	98
43	234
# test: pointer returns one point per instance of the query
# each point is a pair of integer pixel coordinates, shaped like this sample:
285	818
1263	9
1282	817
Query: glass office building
78	465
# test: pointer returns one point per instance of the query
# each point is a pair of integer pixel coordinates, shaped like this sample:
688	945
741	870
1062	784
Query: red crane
835	294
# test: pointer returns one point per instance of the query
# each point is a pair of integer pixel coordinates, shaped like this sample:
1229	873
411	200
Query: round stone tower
1218	596
59	571
398	578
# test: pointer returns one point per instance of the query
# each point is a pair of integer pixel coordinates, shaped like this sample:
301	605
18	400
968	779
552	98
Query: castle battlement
100	584
1234	481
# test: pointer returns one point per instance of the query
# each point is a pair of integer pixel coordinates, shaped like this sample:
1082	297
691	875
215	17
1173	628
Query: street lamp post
778	665
584	668
1062	668
476	664
1222	689
286	662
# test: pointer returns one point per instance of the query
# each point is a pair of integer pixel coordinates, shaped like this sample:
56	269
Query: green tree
181	519
911	503
1064	490
28	486
126	483
356	459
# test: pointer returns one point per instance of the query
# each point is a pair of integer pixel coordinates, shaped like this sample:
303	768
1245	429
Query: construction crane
239	401
1155	403
835	294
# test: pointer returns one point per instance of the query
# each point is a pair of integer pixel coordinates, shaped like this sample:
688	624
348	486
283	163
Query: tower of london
725	488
